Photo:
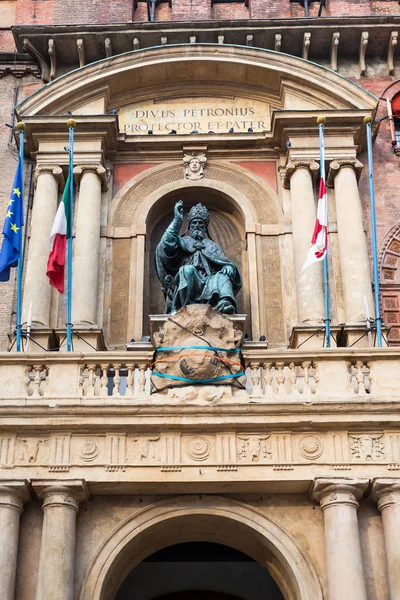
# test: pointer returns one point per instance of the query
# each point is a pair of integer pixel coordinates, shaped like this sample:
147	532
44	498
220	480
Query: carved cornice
311	165
67	493
336	165
386	492
331	492
92	168
54	170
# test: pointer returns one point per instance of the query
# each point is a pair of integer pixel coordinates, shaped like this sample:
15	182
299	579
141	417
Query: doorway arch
199	571
204	519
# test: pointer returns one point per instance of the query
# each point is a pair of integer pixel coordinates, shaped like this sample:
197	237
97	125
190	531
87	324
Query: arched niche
226	228
201	518
245	206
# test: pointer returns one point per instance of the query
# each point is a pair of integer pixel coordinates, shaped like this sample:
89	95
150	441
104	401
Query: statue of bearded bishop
192	268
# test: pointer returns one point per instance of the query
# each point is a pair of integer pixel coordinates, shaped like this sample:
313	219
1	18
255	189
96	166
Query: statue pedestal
200	356
158	321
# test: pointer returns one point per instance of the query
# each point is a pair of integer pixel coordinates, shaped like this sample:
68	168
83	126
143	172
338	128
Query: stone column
339	502
87	244
386	492
13	494
57	553
309	284
36	285
353	253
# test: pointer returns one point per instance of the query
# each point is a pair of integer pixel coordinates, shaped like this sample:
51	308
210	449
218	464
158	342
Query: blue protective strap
170	348
186	380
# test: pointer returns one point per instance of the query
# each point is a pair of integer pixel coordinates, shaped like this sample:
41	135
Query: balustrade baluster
255	379
267	376
104	381
280	379
130	381
142	379
293	379
117	380
306	387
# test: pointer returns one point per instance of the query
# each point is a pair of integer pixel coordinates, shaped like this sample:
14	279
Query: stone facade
298	466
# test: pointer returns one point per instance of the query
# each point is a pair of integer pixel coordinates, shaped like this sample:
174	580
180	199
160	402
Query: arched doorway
199	571
195	518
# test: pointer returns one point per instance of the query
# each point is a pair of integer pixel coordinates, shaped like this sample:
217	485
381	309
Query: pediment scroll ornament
194	164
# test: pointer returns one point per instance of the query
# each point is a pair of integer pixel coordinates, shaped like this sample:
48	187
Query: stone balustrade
272	375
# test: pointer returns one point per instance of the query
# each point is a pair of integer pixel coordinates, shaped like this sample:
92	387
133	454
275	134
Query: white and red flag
319	240
60	231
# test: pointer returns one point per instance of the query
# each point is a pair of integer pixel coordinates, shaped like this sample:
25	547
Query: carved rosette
198	448
310	447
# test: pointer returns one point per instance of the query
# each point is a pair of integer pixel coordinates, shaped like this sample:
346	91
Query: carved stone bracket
329	492
291	167
336	165
54	170
98	169
386	492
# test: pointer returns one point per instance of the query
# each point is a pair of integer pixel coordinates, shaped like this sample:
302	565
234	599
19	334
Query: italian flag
319	240
60	231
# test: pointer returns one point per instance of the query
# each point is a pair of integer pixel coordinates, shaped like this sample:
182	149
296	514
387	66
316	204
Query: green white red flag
60	232
319	240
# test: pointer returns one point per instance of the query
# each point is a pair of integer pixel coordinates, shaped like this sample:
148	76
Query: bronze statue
192	268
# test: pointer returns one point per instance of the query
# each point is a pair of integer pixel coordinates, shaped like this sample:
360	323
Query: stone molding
311	165
54	170
141	531
92	168
251	195
336	165
14	493
67	493
332	492
386	492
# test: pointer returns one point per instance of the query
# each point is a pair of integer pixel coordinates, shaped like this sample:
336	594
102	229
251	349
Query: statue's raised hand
178	211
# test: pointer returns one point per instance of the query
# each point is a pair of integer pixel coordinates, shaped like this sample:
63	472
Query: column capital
14	493
336	165
329	492
96	168
54	170
311	165
386	492
68	493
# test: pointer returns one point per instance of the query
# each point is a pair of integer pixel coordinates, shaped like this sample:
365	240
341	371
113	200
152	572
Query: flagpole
327	308
21	127
71	127
378	319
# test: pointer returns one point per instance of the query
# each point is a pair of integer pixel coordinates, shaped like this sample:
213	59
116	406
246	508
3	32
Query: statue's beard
198	234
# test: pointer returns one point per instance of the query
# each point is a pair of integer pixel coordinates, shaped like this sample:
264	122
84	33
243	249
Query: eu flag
12	230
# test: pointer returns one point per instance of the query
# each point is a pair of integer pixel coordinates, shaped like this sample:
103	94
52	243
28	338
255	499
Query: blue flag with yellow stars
12	230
